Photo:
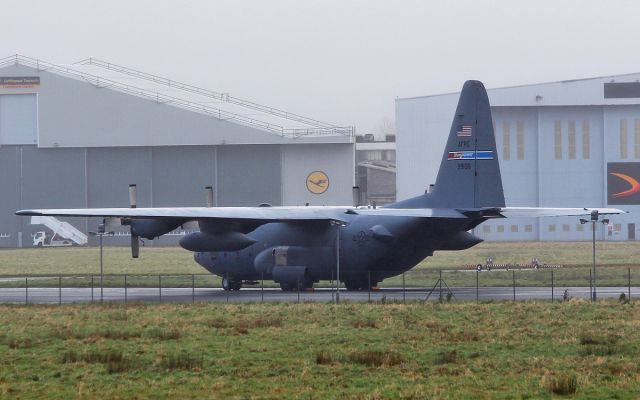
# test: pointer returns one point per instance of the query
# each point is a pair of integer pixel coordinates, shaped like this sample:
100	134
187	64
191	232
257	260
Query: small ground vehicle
41	239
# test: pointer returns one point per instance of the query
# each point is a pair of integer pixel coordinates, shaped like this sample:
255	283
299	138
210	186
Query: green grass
86	260
613	258
568	254
491	350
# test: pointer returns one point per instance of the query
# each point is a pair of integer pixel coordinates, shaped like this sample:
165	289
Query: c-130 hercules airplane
298	246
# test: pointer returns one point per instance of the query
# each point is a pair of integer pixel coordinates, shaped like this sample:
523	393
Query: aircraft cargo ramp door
62	229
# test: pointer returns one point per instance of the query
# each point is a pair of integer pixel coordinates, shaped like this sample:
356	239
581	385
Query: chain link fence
556	284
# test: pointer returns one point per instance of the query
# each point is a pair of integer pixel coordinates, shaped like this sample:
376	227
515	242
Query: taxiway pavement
256	295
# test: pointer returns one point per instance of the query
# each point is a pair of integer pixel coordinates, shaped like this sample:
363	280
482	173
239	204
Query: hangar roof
221	106
603	90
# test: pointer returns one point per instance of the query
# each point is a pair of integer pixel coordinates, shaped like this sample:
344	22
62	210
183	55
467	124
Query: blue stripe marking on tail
471	155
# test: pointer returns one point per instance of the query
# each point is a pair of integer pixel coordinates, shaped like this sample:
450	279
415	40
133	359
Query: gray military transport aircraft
297	246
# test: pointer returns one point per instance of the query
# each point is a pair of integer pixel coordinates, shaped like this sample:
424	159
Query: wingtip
26	213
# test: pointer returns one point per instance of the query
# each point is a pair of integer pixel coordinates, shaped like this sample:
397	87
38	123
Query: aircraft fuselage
370	249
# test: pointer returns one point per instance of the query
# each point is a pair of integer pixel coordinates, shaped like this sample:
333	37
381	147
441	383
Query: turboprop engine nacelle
151	228
226	241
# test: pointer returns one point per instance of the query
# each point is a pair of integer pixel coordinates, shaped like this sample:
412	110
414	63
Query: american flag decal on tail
465	130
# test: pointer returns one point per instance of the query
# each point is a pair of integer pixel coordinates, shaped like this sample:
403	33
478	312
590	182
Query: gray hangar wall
66	143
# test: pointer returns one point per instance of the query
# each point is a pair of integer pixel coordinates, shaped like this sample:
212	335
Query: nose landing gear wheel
231	284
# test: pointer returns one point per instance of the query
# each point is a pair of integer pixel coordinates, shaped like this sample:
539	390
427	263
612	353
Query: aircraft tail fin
469	175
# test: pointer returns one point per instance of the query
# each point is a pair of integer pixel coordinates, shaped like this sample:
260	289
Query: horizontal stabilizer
515	212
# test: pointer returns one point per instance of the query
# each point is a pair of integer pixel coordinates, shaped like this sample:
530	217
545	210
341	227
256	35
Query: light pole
594	219
100	233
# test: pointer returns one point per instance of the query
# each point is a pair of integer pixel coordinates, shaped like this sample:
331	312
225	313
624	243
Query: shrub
563	384
323	357
446	357
375	358
218	323
19	343
623	298
364	323
595	344
118	334
120	315
242	326
106	333
163	333
104	356
590	338
599	350
182	360
114	367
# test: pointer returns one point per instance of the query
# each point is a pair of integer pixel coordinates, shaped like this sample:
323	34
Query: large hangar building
76	136
562	144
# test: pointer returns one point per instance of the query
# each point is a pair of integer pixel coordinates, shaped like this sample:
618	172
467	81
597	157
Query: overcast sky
340	61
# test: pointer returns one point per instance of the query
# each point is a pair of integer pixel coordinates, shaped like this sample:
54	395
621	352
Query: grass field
493	350
614	259
167	260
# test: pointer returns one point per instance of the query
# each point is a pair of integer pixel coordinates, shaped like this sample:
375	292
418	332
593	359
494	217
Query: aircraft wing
513	212
265	214
276	214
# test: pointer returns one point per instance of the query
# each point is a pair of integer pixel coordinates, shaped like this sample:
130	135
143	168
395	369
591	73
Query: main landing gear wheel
358	285
231	284
293	287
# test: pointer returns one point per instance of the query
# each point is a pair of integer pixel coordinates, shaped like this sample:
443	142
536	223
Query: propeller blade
133	202
133	195
209	195
135	246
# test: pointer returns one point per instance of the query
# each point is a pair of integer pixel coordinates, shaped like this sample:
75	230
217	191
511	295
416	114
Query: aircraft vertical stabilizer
469	175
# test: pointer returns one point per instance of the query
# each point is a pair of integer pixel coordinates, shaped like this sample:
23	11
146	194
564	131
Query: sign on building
623	183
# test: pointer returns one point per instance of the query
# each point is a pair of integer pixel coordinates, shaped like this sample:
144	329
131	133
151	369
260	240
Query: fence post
552	286
404	290
477	286
369	285
332	293
193	288
125	288
590	286
629	281
59	290
160	287
298	291
26	291
92	289
262	287
227	277
514	284
440	281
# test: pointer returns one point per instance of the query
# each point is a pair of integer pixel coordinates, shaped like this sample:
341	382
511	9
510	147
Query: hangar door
18	119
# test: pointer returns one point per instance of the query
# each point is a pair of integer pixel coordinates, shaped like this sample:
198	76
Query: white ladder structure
60	228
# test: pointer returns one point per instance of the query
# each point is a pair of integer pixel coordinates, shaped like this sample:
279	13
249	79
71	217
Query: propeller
135	239
209	194
355	191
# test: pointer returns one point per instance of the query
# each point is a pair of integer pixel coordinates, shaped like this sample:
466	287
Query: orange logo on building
635	185
317	182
